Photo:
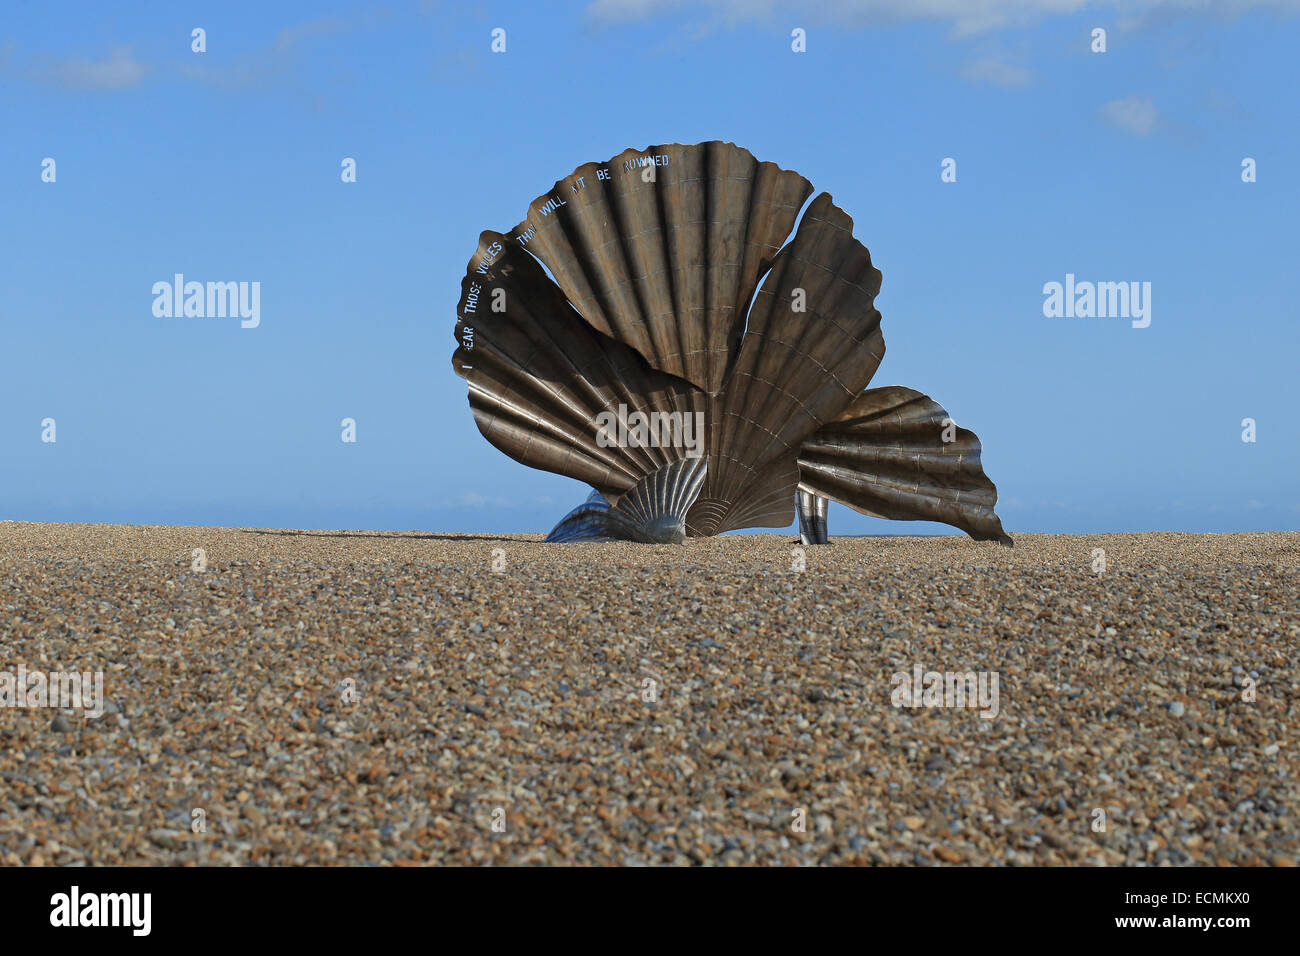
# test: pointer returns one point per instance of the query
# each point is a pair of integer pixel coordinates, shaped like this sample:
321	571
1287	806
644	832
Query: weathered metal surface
539	376
811	512
653	512
895	453
665	256
812	343
656	256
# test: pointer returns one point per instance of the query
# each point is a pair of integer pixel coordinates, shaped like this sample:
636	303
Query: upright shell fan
643	370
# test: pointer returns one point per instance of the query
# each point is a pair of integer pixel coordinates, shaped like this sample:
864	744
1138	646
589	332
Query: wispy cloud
472	499
994	72
964	16
258	68
120	70
1133	114
1226	104
290	37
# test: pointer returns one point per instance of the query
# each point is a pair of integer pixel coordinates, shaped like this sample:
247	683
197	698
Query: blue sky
225	165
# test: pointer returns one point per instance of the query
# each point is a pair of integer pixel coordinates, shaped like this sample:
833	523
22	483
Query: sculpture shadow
393	535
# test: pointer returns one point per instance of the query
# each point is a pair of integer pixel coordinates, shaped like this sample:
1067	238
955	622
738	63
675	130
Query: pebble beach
356	698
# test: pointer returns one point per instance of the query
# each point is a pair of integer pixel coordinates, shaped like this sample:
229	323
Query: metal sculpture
643	369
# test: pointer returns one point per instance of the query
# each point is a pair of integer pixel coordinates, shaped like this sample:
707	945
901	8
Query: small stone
1176	709
168	839
245	725
61	724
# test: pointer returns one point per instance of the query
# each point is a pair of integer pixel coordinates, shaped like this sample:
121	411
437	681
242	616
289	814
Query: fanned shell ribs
639	365
895	453
653	512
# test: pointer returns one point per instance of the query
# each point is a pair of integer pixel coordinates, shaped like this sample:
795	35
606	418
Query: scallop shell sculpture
652	329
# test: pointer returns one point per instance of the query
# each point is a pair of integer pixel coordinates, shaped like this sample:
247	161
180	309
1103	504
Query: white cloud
120	70
1133	114
993	72
965	16
472	499
263	66
251	70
